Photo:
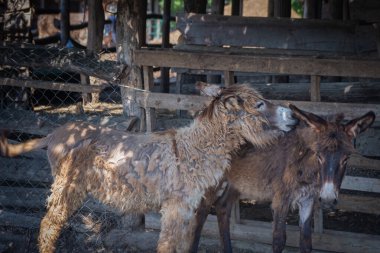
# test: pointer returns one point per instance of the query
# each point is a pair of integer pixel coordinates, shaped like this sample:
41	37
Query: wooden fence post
128	39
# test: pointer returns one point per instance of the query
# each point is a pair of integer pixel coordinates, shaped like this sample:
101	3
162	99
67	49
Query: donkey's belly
256	193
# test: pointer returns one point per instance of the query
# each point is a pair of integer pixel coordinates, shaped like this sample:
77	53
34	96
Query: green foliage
297	6
176	6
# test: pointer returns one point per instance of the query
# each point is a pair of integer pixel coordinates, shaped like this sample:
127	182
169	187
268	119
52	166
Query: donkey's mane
239	91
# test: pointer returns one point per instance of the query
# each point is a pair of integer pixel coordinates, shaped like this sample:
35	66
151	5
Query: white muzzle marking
328	192
284	116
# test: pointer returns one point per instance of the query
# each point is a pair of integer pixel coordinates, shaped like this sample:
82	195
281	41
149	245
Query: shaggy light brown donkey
168	171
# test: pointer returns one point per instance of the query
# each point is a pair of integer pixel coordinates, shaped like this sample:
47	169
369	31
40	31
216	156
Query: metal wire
32	112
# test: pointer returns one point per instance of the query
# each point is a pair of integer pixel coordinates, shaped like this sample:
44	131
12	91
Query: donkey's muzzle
286	121
328	203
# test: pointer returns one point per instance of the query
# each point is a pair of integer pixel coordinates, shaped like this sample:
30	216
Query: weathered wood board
74	87
43	124
295	65
285	33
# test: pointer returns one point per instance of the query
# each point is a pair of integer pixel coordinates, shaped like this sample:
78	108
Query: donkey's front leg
223	208
200	219
280	210
176	223
305	213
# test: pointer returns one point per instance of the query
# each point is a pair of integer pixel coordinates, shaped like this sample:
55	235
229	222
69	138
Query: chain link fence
41	90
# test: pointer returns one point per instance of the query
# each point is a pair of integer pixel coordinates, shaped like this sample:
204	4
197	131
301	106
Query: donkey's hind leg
65	199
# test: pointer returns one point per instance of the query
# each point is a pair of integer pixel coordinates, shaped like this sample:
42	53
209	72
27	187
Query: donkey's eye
260	104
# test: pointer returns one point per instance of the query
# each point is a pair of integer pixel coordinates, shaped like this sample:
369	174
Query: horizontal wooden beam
12	219
350	110
51	85
171	101
22	197
295	65
359	203
361	184
44	123
261	232
193	102
286	33
357	161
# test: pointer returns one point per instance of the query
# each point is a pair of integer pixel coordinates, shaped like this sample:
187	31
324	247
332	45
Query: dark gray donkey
306	165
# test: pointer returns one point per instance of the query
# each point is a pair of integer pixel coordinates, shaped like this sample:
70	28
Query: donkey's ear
314	121
358	125
211	90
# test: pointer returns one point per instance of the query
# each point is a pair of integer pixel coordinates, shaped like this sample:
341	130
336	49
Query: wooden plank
64	6
170	101
148	77
19	197
362	204
35	198
261	232
150	119
315	88
74	87
361	184
318	219
257	51
191	102
328	108
27	169
150	113
194	102
19	220
229	78
342	92
357	161
44	123
235	213
218	30
296	65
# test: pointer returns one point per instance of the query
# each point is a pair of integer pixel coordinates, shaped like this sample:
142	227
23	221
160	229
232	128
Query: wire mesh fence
44	92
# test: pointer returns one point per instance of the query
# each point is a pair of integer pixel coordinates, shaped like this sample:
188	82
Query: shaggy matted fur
167	171
292	173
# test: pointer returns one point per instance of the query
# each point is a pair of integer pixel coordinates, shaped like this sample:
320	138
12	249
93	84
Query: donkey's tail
11	150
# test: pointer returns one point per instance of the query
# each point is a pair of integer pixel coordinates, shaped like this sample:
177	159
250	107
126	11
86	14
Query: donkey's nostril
335	201
320	199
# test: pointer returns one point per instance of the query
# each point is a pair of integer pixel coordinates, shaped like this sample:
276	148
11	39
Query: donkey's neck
206	148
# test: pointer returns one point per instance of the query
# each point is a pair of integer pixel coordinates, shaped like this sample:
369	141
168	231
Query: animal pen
327	62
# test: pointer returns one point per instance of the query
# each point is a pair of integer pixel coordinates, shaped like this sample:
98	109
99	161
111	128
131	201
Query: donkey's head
247	113
332	144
